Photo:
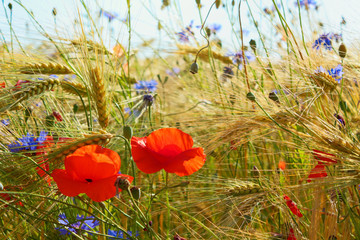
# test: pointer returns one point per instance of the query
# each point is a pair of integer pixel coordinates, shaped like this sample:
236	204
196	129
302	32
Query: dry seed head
342	50
324	81
242	189
99	96
43	68
101	138
69	88
204	55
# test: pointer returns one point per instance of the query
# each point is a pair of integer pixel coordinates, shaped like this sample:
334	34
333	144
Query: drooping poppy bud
122	183
250	96
75	108
194	68
274	97
135	192
128	132
10	6
253	45
342	50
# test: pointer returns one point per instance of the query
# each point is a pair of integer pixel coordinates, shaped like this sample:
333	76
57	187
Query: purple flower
120	234
175	70
184	35
5	122
109	15
146	86
214	28
306	3
86	224
148	99
237	57
340	119
324	39
28	142
336	72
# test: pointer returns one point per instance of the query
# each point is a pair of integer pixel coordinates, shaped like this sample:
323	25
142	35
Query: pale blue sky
145	15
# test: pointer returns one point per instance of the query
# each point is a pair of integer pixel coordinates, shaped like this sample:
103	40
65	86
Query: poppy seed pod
135	192
122	182
194	68
250	96
274	97
342	50
253	45
75	108
128	132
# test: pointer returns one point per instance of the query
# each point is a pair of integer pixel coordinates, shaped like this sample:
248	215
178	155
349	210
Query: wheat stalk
204	55
99	95
43	68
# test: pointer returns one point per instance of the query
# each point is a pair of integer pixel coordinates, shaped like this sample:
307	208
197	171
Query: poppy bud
122	182
342	50
255	172
250	96
135	192
274	97
150	223
10	6
194	68
253	45
128	132
50	120
54	12
148	100
75	108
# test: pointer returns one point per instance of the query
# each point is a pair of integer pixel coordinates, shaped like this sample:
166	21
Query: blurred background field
269	90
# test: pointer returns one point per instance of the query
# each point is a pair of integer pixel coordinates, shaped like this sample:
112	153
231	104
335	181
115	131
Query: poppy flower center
88	180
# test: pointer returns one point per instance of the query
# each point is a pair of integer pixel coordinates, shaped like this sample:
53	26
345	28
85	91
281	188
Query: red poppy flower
317	172
324	158
10	198
292	206
282	165
169	149
91	169
291	235
57	116
2	85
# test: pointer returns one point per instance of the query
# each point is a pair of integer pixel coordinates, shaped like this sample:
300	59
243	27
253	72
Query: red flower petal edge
292	206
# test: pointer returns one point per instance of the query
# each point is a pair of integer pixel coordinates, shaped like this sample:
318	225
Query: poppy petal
292	206
187	162
143	157
323	157
169	141
317	172
291	235
67	185
104	189
85	164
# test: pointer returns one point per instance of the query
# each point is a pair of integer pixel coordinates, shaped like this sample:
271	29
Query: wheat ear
43	68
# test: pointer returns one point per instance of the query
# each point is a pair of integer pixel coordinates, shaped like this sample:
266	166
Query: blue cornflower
5	122
214	28
28	142
109	15
336	73
184	35
87	224
307	3
120	234
237	57
324	39
147	86
175	70
135	112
